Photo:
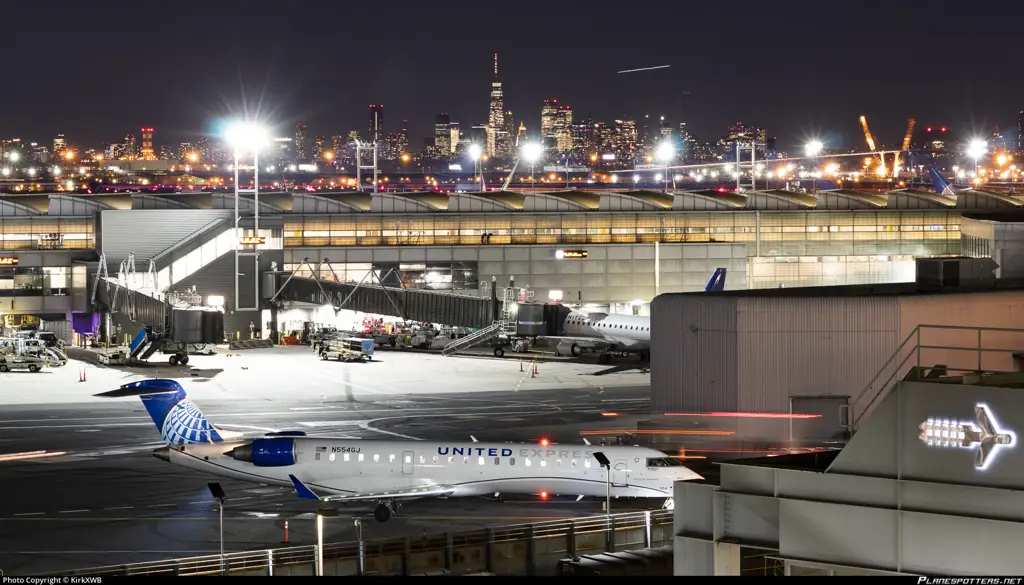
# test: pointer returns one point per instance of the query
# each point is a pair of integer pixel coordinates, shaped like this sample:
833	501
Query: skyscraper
496	116
456	137
318	148
131	151
147	145
59	144
547	124
184	149
442	135
375	125
165	152
563	128
300	143
1020	132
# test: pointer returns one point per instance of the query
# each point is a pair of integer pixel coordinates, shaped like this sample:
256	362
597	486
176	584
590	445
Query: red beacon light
543	495
544	442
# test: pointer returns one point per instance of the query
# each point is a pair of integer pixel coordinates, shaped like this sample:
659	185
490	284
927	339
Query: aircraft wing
590	341
306	493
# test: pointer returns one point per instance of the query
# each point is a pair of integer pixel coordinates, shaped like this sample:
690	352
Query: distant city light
636	178
666	151
13	157
531	152
247	135
6	172
814	147
475	151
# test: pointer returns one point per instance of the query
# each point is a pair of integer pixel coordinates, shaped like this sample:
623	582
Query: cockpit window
664	462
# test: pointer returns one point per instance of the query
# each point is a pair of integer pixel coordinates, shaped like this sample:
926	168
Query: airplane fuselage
623	332
343	467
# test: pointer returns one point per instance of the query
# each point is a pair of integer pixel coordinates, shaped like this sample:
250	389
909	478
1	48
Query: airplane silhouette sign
985	435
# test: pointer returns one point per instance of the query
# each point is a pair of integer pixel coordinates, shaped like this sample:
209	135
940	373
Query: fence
948	350
522	549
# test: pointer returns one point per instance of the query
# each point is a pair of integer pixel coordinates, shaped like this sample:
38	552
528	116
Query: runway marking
74	426
88	431
30	514
245	498
161	505
366	426
30	455
202	502
71	511
120	508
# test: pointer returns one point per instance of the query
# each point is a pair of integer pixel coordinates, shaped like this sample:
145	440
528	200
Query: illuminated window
423	459
574	463
559	461
435	460
451	460
391	458
360	457
331	457
543	463
376	458
528	462
465	460
481	459
586	463
345	457
408	459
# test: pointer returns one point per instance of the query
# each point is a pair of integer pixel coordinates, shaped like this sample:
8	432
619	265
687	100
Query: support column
449	551
727	559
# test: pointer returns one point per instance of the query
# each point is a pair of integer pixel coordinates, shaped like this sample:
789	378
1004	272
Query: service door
407	462
620	473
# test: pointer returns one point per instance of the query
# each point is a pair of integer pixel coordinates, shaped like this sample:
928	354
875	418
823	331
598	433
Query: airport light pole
532	152
977	149
218	494
665	153
475	153
813	148
603	461
321	513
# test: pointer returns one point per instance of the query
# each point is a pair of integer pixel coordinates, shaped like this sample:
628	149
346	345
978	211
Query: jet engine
277	452
568	349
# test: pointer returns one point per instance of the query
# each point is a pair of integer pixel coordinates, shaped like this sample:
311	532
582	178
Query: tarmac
81	487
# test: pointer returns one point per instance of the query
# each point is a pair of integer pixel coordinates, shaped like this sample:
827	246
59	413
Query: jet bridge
456	310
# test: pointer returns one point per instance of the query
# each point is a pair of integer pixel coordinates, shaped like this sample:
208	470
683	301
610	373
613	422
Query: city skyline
795	89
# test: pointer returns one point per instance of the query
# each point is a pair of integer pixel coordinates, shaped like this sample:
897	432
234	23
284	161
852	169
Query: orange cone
285	541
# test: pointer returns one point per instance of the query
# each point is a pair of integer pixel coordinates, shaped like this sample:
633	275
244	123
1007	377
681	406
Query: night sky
96	70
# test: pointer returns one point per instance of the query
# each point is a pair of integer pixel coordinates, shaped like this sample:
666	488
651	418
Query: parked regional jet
353	470
614	333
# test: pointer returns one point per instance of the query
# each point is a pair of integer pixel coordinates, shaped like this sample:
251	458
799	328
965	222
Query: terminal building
610	251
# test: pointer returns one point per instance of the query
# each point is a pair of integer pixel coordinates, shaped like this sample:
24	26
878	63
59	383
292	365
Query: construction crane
905	148
871	142
511	174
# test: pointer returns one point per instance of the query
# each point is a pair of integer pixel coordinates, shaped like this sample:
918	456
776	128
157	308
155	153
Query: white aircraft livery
386	472
609	333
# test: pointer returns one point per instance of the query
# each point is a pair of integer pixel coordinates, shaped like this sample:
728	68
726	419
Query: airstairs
506	325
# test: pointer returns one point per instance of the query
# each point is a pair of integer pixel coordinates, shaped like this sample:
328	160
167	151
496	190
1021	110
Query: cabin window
497	460
424	459
331	457
574	463
451	460
665	462
559	461
512	461
481	460
391	458
376	457
465	460
435	459
360	457
543	463
345	457
528	462
586	463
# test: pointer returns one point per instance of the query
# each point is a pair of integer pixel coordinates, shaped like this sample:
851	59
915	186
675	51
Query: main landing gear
386	509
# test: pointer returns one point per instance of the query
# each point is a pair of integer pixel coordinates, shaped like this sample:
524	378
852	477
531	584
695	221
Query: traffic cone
285	541
533	372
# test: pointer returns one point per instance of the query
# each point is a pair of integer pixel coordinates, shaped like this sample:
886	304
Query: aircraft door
407	462
620	473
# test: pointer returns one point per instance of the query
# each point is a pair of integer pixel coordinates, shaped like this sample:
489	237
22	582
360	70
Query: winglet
301	489
474	439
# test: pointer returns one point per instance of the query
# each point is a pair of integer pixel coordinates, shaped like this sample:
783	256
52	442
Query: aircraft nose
163	453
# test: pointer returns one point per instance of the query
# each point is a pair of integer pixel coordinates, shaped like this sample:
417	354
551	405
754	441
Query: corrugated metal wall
693	353
217	278
147	232
750	354
829	346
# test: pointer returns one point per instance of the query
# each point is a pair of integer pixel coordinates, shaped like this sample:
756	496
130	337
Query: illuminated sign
608	157
8	260
253	241
560	254
985	436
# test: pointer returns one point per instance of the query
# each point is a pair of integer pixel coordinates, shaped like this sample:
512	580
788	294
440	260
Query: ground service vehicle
347	349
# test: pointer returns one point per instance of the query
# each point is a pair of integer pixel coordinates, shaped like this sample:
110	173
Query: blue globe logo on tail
179	420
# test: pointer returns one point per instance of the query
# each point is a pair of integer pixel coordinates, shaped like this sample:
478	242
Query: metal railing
912	361
521	549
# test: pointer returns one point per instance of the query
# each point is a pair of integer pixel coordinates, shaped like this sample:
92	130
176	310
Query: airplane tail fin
717	282
178	419
942	186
